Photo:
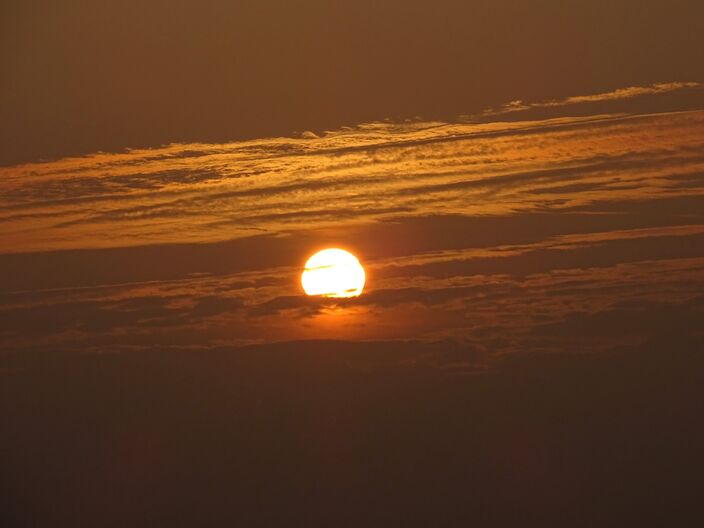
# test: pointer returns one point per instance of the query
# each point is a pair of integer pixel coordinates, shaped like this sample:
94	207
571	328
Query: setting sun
333	273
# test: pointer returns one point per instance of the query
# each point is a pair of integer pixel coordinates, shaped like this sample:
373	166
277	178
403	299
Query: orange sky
522	181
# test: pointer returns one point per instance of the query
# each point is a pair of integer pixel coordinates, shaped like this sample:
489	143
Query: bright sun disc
333	273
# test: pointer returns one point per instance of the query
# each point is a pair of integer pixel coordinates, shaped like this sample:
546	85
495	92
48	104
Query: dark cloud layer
354	434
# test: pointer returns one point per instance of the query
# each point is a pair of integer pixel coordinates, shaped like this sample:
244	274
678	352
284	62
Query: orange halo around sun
333	272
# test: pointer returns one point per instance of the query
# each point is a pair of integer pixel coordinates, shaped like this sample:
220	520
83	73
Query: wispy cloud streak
615	95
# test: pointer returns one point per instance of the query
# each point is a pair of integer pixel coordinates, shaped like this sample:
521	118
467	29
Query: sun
333	272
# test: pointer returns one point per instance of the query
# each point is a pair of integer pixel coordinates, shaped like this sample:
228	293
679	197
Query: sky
522	183
81	76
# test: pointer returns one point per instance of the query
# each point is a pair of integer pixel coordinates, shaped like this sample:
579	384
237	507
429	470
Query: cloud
209	192
614	95
476	231
642	320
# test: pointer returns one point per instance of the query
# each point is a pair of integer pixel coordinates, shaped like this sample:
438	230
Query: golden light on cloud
333	272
